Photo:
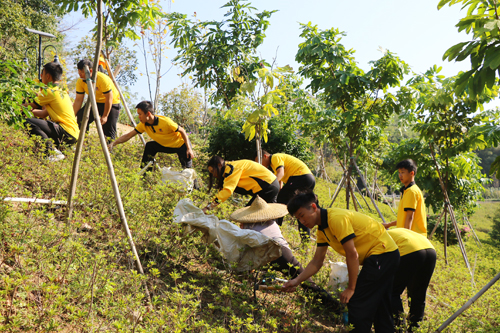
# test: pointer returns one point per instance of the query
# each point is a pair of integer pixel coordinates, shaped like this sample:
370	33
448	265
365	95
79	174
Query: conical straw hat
259	211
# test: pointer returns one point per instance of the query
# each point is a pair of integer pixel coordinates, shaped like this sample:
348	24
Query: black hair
302	199
146	106
81	64
54	69
408	164
214	162
264	152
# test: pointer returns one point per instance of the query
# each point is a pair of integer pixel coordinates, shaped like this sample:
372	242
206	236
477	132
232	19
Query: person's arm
312	268
37	112
390	224
123	138
409	218
77	104
185	137
108	103
352	260
279	175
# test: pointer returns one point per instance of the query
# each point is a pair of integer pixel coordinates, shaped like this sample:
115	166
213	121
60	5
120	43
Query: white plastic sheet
185	177
339	276
248	249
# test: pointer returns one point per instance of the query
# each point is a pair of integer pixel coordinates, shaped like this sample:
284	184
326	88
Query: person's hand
386	225
104	120
290	286
205	210
190	153
110	146
346	295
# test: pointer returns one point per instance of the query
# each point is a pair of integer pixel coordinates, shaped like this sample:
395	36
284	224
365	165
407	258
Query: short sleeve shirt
340	225
163	130
103	86
409	241
292	165
412	199
60	108
244	177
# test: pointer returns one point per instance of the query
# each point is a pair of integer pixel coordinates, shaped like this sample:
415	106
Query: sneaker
56	155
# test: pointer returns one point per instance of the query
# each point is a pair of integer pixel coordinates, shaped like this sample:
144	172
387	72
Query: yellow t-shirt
244	177
412	199
340	225
164	131
409	241
60	108
103	85
292	165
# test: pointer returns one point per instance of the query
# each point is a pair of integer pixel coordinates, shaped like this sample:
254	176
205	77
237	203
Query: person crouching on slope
243	177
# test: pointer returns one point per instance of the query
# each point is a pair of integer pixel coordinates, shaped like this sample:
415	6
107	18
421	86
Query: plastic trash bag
185	177
247	249
339	276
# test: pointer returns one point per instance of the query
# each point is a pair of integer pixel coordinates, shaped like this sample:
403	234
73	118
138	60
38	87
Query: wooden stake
445	236
337	190
437	223
122	98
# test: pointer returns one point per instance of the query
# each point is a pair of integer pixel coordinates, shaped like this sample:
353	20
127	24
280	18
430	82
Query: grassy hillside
56	277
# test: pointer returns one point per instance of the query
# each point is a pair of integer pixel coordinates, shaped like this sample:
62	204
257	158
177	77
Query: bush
227	140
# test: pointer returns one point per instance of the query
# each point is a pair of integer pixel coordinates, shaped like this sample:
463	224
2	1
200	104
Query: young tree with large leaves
209	51
358	104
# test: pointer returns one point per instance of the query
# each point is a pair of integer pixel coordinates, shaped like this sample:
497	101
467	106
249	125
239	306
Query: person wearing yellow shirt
411	209
363	241
107	99
54	103
168	137
295	175
244	177
416	266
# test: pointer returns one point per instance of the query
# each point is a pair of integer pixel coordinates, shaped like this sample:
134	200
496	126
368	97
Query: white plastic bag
339	276
249	249
185	177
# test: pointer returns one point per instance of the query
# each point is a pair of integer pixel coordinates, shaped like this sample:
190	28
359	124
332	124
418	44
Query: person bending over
418	259
54	103
168	137
243	177
295	176
106	96
363	241
411	209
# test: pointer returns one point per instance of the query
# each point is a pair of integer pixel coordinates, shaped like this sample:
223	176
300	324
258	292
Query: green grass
54	278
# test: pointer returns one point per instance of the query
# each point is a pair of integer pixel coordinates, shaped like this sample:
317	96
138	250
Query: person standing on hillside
54	103
295	175
411	209
243	177
106	96
416	266
363	241
168	137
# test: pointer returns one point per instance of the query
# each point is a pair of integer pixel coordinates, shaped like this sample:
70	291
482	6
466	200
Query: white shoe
56	155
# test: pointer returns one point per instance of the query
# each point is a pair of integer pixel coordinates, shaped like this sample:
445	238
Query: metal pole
367	190
122	98
468	304
40	57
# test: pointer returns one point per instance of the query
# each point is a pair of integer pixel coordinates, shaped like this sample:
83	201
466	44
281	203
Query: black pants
269	192
153	147
414	273
296	183
49	130
109	128
371	302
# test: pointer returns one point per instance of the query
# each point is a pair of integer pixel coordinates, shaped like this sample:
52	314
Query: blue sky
415	30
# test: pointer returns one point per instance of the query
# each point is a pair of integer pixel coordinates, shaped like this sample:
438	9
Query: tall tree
358	104
210	50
